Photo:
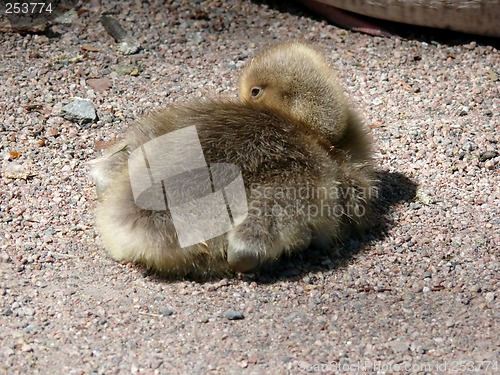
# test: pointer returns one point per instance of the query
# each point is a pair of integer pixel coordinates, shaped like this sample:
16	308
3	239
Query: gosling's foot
242	260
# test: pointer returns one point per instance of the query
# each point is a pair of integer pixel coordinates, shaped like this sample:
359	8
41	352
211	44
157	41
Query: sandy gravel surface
418	294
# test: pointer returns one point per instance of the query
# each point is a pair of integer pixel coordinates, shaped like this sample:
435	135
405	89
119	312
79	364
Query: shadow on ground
393	188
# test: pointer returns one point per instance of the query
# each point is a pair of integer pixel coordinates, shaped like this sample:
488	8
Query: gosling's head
295	78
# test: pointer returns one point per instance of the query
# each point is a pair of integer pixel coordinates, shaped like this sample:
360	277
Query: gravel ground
418	294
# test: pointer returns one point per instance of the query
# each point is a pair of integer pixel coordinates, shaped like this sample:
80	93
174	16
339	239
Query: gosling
286	167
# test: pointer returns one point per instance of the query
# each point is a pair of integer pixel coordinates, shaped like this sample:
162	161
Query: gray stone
7	312
129	46
80	111
487	155
166	312
233	315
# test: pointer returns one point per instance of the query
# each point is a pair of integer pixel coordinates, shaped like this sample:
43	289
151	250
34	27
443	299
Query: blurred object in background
480	17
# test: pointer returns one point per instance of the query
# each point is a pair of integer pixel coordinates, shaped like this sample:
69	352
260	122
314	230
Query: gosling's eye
256	92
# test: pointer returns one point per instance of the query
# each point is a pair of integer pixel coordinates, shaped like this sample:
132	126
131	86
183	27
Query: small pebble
464	111
450	323
417	287
26	348
475	288
32	328
490	164
129	46
469	146
197	38
7	312
399	346
487	155
490	296
471	45
166	312
41	283
233	315
126	69
29	311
